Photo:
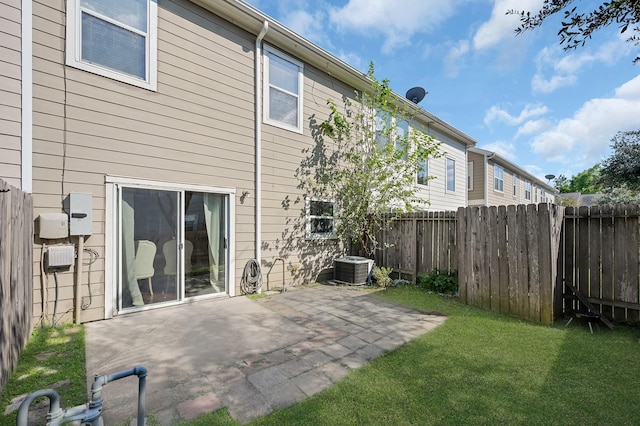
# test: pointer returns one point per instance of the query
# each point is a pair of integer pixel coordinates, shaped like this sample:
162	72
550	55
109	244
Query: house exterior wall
476	194
506	196
11	89
440	199
196	129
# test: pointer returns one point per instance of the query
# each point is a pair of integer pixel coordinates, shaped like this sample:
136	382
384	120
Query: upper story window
423	173
115	39
515	184
451	175
283	78
527	190
498	178
470	176
321	219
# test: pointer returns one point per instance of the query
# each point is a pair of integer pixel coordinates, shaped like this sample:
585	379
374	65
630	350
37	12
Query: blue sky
547	110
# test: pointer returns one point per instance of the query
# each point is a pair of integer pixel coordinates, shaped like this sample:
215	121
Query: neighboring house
577	199
171	132
495	181
15	93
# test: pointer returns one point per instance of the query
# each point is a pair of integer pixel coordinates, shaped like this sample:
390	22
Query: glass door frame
113	263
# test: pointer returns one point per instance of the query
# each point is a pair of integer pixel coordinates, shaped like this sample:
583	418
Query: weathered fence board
606	260
16	275
516	259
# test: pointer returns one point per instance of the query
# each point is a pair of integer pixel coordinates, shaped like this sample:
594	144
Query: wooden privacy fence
508	259
535	262
418	243
16	275
600	258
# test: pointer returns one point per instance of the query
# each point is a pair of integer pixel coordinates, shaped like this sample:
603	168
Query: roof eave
251	19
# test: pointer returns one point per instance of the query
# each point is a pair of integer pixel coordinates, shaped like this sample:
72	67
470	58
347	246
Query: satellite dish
549	177
415	94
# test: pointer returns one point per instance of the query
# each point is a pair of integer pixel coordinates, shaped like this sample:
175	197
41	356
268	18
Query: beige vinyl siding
435	192
196	129
477	194
11	89
283	203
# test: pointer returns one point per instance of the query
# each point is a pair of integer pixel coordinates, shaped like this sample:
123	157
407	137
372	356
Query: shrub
444	282
381	276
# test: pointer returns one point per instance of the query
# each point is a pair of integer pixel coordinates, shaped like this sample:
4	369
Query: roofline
251	19
520	170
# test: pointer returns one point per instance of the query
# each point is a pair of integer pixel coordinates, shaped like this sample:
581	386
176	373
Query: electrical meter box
53	226
80	206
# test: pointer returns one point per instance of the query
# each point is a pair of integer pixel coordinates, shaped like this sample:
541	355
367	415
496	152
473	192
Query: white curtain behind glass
212	214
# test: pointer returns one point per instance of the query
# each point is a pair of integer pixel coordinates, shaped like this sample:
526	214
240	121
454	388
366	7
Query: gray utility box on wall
79	206
352	270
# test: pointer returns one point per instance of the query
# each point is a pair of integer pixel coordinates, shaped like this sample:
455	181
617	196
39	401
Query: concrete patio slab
251	356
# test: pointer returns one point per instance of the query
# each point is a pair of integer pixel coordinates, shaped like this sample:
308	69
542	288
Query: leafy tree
619	195
578	26
370	168
622	168
585	182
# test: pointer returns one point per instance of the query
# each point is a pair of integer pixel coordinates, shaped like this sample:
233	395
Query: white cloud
397	23
586	136
541	85
504	149
556	68
501	26
455	58
308	25
533	126
496	113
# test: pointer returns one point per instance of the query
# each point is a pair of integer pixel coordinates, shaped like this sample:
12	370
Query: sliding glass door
172	245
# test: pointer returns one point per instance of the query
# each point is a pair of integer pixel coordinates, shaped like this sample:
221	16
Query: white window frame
74	47
446	173
515	185
470	176
527	190
268	52
498	178
320	236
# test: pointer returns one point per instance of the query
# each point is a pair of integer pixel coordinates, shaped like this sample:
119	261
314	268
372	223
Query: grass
476	368
482	368
52	357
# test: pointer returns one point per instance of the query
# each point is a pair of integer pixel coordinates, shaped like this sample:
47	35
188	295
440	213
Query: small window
527	190
515	185
451	175
498	178
423	173
116	39
535	193
402	133
543	195
283	78
470	176
321	220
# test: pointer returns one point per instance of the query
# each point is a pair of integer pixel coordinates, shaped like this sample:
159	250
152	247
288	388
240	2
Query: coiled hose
251	277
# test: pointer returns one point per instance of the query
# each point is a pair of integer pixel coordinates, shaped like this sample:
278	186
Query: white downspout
258	197
26	178
486	177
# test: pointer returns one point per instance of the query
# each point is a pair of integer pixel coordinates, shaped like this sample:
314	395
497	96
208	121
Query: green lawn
480	368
